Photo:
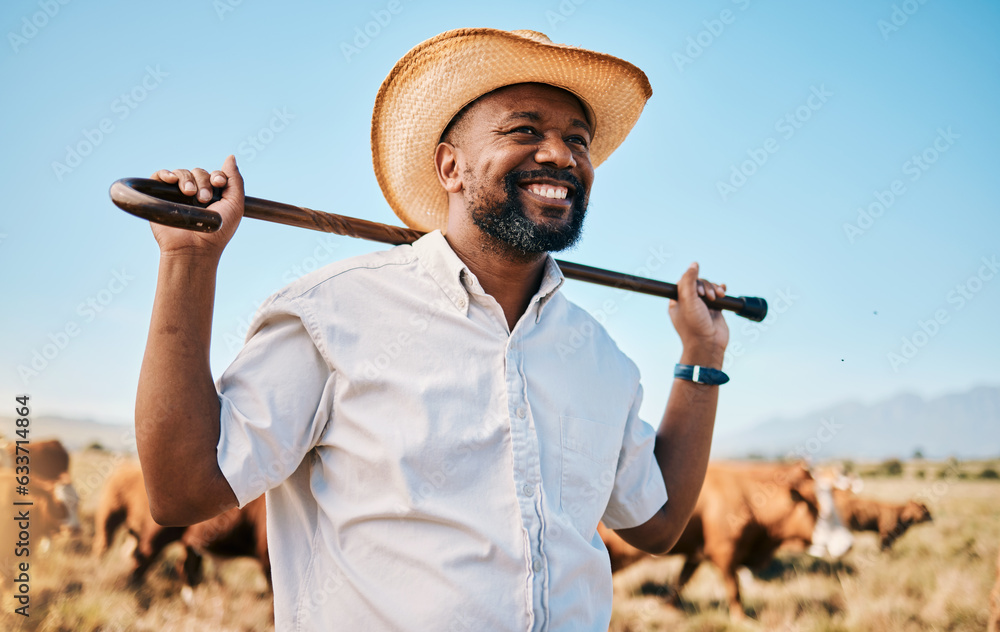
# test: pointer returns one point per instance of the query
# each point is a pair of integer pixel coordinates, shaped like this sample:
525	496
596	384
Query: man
429	461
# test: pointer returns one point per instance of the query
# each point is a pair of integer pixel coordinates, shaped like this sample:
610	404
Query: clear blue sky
865	95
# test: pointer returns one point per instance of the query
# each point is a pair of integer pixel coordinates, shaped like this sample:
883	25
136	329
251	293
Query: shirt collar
444	266
457	281
551	282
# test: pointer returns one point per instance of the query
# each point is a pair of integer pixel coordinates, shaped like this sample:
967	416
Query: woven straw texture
440	76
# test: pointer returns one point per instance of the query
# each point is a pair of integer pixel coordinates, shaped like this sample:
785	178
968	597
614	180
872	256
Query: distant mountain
75	434
964	425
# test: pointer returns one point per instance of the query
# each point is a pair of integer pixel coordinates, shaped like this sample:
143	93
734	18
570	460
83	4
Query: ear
446	163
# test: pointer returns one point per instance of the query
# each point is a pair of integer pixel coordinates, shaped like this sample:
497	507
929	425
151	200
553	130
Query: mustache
512	179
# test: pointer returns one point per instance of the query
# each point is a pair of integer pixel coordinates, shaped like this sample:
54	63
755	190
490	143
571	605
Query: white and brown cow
26	528
47	463
744	513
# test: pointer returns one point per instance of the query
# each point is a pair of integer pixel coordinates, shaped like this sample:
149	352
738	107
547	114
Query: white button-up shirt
426	468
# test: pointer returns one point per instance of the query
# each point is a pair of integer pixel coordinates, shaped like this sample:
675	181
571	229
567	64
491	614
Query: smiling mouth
553	194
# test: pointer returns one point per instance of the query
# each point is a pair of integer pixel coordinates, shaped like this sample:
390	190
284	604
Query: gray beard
513	234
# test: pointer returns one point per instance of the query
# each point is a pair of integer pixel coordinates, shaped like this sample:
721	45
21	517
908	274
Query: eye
580	140
526	129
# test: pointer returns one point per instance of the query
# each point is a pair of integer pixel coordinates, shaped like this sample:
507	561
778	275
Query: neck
510	277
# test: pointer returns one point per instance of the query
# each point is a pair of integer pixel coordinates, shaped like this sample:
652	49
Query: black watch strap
700	374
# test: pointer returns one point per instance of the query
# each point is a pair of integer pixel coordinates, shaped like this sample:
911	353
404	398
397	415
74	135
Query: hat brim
440	76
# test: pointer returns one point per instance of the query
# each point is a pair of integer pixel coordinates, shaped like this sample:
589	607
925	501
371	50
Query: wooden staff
165	204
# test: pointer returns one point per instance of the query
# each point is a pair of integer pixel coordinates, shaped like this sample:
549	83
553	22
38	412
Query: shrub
989	473
892	467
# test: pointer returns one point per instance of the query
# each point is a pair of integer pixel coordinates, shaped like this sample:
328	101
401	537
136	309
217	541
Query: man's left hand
703	331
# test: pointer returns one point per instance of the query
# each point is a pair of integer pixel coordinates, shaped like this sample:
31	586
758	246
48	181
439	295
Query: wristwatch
700	374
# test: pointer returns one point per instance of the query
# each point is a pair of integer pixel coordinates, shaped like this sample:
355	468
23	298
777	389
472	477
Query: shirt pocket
589	462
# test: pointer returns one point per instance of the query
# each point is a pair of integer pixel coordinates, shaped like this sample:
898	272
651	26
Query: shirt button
521	413
536	565
528	490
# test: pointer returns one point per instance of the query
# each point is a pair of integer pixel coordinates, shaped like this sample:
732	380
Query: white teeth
557	193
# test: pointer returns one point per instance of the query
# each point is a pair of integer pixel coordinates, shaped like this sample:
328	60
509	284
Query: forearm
684	440
177	406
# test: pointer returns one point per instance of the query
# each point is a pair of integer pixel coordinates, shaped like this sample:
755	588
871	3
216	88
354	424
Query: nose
553	151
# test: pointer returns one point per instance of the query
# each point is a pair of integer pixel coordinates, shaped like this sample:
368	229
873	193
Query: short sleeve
275	402
639	490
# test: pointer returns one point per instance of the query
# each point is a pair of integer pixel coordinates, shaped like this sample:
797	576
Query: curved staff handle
164	204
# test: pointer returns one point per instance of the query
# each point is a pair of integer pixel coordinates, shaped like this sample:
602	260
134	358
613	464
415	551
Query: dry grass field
937	577
74	592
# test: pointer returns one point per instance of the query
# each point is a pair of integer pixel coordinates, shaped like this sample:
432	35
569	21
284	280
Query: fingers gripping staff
167	200
225	210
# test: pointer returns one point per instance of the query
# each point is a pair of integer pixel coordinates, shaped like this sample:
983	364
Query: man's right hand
198	182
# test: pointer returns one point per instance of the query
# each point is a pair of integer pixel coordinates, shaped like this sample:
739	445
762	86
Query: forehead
538	97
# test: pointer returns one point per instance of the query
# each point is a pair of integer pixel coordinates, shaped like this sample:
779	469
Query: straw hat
439	77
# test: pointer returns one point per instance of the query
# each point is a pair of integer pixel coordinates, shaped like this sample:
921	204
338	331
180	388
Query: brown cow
890	521
49	459
124	502
47	463
234	533
237	532
24	527
744	513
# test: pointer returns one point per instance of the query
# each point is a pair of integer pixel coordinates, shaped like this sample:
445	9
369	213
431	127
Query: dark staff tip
754	308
